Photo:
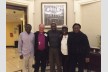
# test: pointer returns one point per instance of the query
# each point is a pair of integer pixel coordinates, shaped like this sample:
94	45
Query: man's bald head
41	27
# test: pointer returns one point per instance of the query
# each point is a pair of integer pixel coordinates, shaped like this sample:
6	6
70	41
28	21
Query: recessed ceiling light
21	18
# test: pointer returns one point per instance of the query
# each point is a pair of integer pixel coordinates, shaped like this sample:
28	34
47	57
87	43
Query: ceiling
14	15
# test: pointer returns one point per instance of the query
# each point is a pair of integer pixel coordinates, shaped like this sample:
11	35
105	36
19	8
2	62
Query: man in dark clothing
78	48
64	49
41	49
54	50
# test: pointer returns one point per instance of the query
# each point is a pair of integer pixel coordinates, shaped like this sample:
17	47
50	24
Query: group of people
59	48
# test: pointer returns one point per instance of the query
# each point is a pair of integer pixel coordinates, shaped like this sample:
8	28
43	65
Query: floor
14	64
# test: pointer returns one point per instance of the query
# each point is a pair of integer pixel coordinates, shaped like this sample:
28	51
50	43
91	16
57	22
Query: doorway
16	17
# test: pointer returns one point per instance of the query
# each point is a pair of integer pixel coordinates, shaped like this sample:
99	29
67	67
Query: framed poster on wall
54	12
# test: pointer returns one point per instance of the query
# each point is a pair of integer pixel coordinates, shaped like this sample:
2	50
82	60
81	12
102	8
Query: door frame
21	8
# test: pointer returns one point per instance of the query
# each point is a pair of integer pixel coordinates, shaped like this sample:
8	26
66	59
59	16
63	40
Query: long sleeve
33	43
87	46
20	45
69	43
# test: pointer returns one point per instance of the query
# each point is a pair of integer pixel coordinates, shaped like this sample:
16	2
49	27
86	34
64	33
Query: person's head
41	28
64	30
28	28
53	26
76	27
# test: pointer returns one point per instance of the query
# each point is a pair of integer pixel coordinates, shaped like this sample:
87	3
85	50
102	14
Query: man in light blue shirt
26	48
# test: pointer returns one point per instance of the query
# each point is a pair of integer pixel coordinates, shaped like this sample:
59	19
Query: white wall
70	12
30	5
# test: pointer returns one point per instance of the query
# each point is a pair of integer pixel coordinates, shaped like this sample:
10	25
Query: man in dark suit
78	48
41	49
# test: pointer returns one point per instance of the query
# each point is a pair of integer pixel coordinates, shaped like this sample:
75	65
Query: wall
73	15
11	27
9	40
77	8
91	22
70	12
88	14
34	11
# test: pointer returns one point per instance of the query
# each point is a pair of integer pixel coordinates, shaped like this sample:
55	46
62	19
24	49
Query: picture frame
54	12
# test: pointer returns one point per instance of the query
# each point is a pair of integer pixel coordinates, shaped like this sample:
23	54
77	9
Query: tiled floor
13	63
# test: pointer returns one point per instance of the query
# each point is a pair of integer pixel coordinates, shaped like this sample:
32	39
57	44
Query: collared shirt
64	49
26	43
41	41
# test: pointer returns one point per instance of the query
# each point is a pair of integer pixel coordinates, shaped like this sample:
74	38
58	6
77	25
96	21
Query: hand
21	56
87	60
47	63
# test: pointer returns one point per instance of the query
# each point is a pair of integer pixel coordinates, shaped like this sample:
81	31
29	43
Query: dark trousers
65	63
54	58
40	61
77	60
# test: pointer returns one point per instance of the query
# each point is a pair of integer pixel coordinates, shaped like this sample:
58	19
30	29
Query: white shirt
26	43
64	49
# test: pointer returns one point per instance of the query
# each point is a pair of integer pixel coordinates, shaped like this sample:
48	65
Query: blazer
46	50
78	44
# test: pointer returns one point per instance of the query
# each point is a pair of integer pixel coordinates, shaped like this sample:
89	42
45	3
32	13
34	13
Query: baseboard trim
10	46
